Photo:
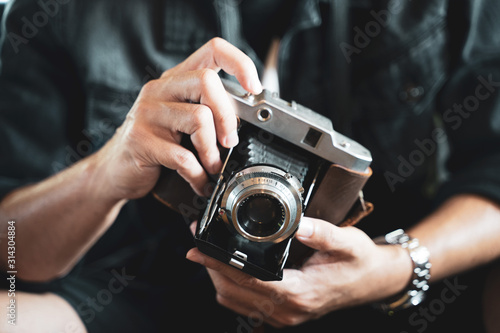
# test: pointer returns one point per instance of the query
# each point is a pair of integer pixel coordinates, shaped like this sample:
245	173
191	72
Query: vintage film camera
289	163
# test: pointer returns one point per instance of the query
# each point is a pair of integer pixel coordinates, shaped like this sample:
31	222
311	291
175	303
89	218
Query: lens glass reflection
261	215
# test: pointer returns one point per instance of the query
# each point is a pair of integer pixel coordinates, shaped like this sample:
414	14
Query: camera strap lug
236	263
362	200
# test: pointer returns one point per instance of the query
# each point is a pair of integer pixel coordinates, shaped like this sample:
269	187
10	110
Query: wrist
399	268
414	293
97	184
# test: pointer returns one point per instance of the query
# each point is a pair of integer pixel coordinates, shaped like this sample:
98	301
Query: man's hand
348	269
190	99
78	204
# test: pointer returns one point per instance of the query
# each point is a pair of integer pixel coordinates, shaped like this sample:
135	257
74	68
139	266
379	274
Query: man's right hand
73	208
188	98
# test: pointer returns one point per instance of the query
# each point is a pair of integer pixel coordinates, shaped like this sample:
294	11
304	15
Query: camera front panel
258	203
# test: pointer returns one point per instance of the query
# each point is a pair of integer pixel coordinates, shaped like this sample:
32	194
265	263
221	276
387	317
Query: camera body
289	163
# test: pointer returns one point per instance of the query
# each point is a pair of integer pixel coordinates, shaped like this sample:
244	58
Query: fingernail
256	86
306	228
232	139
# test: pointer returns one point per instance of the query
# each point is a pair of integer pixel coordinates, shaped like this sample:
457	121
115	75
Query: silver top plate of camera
299	125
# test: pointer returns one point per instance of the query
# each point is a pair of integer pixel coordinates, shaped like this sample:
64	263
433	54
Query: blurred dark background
2	6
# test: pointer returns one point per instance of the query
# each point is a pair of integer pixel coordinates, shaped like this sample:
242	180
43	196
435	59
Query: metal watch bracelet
415	293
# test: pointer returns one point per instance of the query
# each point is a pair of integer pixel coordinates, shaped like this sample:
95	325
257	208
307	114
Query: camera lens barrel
261	214
263	203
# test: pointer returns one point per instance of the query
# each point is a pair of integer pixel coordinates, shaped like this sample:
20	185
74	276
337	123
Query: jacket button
411	93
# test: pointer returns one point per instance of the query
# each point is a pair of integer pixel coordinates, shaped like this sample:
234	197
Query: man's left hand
347	269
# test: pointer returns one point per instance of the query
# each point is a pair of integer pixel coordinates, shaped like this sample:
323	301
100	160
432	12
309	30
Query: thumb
324	236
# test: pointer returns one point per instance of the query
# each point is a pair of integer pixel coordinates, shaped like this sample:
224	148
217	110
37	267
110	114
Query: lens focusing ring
262	181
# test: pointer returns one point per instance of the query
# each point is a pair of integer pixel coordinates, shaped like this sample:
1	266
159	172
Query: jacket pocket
408	84
396	104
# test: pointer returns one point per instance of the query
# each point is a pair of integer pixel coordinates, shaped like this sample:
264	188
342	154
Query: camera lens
262	203
261	215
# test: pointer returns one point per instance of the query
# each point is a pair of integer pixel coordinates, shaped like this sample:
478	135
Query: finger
175	157
324	236
258	307
245	281
196	256
193	119
227	289
231	295
201	86
250	296
219	54
239	277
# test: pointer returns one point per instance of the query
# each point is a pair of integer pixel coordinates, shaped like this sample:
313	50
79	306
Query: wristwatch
415	292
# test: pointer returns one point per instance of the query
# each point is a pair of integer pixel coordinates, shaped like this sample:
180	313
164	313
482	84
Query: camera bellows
259	153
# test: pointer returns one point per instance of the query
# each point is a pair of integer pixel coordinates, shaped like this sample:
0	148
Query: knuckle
301	304
166	73
150	86
290	320
221	299
202	116
227	121
223	291
248	282
141	107
184	159
216	44
140	114
136	120
208	79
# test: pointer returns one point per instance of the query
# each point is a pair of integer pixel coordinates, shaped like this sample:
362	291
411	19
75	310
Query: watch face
420	255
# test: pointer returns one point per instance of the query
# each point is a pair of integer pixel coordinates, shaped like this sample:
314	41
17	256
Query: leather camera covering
336	200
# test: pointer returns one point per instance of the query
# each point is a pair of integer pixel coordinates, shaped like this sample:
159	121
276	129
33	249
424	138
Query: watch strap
415	293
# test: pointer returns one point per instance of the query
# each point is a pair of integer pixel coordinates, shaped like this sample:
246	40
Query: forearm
57	221
462	234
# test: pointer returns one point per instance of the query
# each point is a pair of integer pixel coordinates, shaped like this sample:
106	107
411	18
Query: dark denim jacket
423	79
72	70
423	75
